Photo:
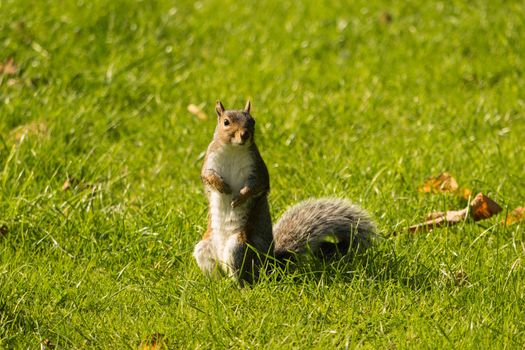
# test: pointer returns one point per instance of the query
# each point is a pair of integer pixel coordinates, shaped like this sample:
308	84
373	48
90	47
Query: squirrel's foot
205	257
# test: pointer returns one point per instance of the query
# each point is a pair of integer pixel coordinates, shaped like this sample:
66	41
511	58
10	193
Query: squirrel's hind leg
205	256
240	260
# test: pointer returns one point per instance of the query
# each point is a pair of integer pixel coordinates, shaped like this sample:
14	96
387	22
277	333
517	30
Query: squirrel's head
235	127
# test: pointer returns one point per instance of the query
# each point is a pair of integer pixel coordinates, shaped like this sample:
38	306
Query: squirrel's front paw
237	200
244	191
241	197
213	179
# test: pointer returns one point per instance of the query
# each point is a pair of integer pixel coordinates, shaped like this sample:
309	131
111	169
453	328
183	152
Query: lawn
101	201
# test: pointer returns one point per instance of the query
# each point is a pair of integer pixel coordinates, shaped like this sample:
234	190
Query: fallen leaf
480	208
385	17
434	215
197	111
154	342
69	183
515	216
46	345
444	182
38	129
3	230
9	67
73	183
439	219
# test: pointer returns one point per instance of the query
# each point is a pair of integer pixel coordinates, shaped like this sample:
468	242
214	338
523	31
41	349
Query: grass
348	102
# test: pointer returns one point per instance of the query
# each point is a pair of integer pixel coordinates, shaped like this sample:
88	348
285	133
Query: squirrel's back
322	227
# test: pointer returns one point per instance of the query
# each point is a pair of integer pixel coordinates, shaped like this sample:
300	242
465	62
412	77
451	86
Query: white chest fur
234	165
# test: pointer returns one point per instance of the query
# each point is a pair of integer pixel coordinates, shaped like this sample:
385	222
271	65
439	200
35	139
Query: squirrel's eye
226	122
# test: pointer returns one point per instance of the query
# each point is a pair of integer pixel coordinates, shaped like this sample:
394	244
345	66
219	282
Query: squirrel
240	237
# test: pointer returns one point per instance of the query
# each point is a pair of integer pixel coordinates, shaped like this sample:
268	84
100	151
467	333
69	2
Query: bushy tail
322	227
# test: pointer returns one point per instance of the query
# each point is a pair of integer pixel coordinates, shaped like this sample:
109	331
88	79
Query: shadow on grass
378	264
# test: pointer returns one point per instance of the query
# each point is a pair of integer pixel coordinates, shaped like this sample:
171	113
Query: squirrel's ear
247	106
219	108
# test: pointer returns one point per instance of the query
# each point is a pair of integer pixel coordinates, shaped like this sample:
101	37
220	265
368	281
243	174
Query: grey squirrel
239	237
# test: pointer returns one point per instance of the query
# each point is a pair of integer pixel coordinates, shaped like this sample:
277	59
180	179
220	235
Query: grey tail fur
322	227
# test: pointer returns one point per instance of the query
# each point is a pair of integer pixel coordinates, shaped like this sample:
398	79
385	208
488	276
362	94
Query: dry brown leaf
9	67
154	342
385	17
46	345
435	215
73	183
197	111
480	208
38	129
69	183
3	230
444	182
439	219
12	82
515	216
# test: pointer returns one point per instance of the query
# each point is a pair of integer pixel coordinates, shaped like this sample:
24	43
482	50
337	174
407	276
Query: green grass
346	105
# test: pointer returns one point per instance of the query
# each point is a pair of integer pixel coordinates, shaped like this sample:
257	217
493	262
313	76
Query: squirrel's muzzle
242	137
